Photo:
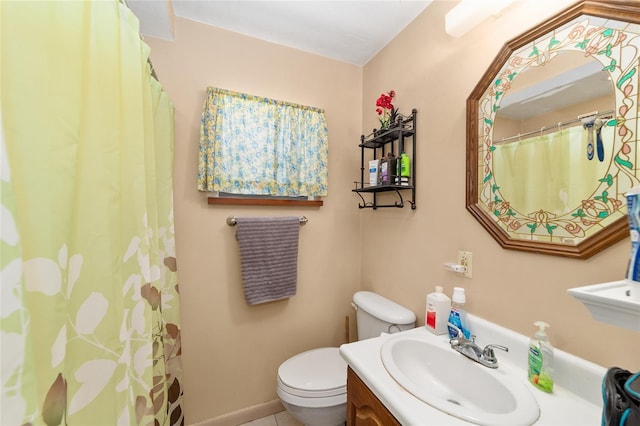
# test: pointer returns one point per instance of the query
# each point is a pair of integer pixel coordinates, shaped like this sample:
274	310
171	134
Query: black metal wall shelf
386	141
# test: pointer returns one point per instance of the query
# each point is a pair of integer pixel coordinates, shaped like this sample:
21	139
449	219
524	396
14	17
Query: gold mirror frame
601	220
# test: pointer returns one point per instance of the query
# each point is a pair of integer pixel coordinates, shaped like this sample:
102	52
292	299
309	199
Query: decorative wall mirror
552	128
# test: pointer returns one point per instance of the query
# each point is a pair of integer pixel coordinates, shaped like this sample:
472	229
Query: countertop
576	397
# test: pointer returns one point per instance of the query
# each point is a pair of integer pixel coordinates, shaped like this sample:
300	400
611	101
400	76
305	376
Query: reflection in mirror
552	133
541	158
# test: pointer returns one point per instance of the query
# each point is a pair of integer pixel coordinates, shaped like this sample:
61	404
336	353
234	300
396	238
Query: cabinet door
363	407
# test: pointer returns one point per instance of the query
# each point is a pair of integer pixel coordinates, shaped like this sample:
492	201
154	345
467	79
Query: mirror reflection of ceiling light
467	14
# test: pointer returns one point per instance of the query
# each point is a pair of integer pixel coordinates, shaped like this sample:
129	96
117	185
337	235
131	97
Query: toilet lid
318	372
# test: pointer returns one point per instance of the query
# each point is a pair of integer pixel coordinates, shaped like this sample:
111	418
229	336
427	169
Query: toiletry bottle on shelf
437	312
384	171
391	160
457	315
541	359
374	168
404	169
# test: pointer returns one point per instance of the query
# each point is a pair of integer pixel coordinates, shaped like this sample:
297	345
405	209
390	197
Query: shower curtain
551	171
90	328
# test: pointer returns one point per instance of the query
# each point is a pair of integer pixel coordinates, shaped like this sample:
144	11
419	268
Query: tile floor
279	419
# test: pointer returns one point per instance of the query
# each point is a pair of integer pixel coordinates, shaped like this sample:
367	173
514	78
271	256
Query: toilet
313	385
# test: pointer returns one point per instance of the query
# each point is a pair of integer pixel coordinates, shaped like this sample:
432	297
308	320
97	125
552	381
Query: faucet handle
487	352
456	328
460	333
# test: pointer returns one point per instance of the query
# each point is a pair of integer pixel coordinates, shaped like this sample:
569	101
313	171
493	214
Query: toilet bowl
313	385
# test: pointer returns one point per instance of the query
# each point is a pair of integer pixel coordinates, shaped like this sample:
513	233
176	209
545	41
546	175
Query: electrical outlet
464	259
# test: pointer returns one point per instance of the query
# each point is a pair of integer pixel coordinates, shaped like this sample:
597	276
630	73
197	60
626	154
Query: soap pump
541	359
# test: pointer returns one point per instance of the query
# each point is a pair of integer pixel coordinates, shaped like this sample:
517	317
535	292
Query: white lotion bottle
437	312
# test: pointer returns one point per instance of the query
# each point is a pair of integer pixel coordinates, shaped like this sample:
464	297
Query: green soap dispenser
541	359
405	165
404	170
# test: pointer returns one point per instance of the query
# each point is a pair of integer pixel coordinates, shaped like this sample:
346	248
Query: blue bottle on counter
458	316
633	215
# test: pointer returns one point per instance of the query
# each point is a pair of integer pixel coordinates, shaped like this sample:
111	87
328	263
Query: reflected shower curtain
551	171
90	329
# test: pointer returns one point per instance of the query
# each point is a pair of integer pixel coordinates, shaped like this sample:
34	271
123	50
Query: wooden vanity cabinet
363	407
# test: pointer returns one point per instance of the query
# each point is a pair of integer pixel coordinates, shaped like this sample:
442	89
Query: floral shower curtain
90	329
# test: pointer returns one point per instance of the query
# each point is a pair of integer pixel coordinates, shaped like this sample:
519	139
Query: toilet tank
376	314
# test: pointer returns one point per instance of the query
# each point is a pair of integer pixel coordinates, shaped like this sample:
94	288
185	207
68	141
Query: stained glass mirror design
608	34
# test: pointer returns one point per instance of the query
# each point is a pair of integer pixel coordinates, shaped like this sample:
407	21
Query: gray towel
269	256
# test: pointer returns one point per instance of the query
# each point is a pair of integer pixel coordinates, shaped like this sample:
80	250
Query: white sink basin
450	382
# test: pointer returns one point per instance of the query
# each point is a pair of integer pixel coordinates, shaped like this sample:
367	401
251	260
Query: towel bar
231	220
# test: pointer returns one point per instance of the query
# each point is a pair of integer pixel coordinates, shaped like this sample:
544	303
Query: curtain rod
231	220
604	115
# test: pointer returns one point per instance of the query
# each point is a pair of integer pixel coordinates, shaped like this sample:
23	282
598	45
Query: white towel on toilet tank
269	257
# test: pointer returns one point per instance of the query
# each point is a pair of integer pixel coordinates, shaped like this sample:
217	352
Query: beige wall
231	351
511	288
506	127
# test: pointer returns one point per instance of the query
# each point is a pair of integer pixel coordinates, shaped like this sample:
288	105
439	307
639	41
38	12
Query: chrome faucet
469	349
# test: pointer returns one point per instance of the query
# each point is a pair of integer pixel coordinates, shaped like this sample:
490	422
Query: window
252	145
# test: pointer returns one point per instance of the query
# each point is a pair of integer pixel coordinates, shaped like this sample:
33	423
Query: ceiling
348	31
582	84
351	31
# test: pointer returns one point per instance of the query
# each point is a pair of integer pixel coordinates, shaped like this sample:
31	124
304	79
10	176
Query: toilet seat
318	373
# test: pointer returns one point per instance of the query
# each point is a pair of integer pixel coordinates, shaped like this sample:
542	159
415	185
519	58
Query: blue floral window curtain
258	146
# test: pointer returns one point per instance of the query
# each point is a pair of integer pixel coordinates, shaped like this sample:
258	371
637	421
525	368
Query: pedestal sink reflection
450	382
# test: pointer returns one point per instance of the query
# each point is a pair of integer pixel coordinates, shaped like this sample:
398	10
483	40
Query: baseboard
244	415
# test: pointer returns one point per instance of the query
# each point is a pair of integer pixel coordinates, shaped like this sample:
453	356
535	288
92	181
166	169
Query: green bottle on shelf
404	169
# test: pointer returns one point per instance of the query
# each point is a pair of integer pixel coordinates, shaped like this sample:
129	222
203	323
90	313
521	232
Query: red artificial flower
385	108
